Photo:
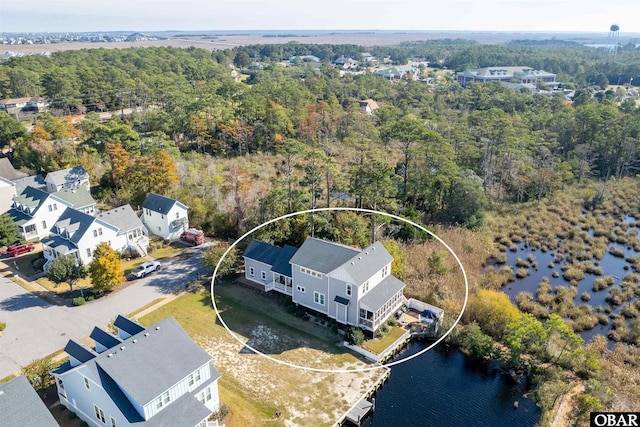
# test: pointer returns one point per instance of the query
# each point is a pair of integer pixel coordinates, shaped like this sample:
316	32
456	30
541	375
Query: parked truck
193	236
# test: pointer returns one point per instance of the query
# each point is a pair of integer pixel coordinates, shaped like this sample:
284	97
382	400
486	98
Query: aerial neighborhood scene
357	213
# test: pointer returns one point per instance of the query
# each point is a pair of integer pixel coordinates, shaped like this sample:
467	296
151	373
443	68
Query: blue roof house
142	377
352	286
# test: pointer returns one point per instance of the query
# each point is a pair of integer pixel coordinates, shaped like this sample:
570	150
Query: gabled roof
262	252
282	265
104	338
160	204
20	405
35	181
322	256
8	171
60	245
381	293
67	175
32	197
152	361
123	218
76	223
368	262
78	197
127	325
79	352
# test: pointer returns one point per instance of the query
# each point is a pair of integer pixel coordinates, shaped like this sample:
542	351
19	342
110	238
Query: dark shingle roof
123	218
31	197
104	338
75	222
67	175
127	325
79	352
368	262
160	204
322	256
20	405
263	252
381	293
152	360
282	265
60	245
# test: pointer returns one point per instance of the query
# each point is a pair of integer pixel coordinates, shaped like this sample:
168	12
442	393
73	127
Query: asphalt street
36	328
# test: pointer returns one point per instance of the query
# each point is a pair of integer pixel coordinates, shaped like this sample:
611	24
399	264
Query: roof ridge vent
146	334
353	263
134	341
123	348
157	328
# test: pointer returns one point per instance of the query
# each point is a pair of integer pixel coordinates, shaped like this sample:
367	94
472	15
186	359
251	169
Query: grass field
375	346
259	391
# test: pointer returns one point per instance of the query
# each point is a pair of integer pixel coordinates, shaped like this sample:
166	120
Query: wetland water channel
443	387
614	266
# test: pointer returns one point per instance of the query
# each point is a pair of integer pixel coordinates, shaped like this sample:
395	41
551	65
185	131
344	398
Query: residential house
154	376
345	63
506	74
164	216
7	193
15	105
34	181
304	58
67	178
368	106
7	170
20	405
35	211
79	198
352	286
76	233
398	72
131	234
368	57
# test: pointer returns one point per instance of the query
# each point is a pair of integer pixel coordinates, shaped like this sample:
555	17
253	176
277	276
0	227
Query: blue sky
464	15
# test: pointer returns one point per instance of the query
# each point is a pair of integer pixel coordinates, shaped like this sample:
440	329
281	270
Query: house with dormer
131	235
142	377
80	199
67	178
164	216
352	286
35	211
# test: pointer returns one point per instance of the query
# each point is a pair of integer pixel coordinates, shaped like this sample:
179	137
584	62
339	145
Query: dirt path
561	416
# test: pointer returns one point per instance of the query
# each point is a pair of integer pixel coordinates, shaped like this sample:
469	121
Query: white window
100	231
50	208
159	402
197	375
99	413
251	271
349	289
88	251
44	224
166	398
318	298
95	233
162	216
177	215
300	289
55	207
191	380
86	383
113	422
263	275
207	394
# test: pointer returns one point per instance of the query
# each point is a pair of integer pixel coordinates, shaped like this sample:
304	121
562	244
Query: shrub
354	336
585	296
38	263
602	283
522	273
631	277
90	297
78	301
616	252
555	274
3	326
300	312
573	273
521	262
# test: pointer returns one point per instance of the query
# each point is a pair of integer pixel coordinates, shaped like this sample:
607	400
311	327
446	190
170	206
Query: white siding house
155	376
131	235
67	178
352	286
35	211
7	193
164	216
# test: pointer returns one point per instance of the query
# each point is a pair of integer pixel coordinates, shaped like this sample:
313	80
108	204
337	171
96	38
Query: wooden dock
366	404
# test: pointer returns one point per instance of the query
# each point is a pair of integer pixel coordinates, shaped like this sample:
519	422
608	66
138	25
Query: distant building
399	72
304	58
141	377
345	63
20	405
67	178
368	106
16	105
79	198
34	181
523	75
8	171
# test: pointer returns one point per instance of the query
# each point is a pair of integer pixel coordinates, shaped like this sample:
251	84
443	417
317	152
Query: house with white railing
164	216
153	376
352	286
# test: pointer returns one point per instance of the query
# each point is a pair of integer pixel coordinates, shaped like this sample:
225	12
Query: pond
611	266
444	387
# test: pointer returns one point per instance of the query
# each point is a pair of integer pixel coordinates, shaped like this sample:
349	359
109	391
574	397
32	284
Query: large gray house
352	286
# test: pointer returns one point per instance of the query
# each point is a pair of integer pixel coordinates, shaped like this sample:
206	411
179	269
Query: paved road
36	328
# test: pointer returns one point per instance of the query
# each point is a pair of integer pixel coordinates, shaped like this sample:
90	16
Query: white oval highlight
370	368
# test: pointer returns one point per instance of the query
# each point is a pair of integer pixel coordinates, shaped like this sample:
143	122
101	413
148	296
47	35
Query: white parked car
145	268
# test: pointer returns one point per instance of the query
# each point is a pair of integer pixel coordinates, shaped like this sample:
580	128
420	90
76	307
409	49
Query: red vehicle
16	250
193	236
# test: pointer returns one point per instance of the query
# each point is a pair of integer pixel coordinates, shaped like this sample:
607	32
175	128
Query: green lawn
169	250
376	346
